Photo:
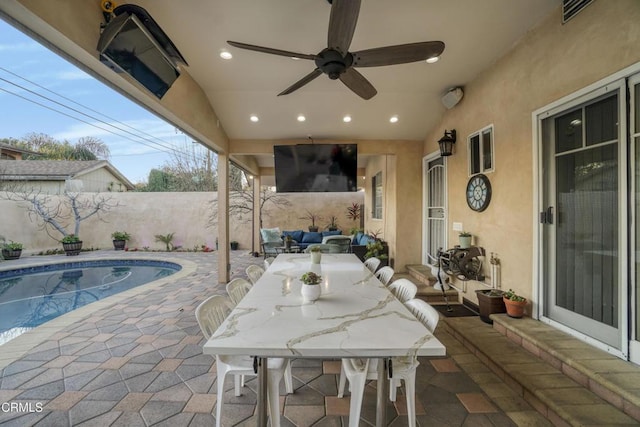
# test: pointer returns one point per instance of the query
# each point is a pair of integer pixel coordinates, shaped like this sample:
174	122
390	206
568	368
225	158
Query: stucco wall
144	215
550	62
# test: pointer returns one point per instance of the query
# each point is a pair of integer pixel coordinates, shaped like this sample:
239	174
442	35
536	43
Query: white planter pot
310	292
465	242
316	257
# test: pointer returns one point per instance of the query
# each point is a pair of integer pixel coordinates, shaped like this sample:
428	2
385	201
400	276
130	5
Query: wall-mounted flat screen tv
127	46
316	167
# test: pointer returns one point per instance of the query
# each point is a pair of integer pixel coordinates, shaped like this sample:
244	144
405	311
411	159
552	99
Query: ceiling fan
338	63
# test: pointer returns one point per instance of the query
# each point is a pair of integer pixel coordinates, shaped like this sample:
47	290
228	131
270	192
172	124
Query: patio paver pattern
139	362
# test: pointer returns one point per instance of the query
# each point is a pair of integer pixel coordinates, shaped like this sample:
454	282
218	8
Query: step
565	379
427	292
421	273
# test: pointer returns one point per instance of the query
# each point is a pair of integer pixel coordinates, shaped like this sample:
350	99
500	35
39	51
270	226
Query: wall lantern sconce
446	142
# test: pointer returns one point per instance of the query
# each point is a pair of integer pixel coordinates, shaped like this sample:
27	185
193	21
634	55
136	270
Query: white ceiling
476	34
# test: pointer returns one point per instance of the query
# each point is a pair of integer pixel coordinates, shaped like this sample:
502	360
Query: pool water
32	296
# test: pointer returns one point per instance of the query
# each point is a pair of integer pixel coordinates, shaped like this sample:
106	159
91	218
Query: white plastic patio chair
254	272
210	314
359	371
237	289
372	264
385	274
403	289
268	261
404	368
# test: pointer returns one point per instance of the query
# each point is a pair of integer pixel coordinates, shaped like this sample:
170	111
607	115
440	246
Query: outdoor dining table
355	316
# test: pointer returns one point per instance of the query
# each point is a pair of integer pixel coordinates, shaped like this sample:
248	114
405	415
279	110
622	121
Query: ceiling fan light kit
339	64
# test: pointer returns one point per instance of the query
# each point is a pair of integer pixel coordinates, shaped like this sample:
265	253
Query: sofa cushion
295	235
312	237
364	239
331	233
356	238
270	235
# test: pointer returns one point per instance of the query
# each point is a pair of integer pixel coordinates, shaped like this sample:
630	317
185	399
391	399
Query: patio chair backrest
342	242
403	289
424	312
385	274
372	264
211	313
237	289
254	272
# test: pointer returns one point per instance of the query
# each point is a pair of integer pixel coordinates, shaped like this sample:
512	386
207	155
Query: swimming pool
32	296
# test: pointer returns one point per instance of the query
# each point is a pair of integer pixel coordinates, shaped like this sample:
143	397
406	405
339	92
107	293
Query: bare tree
241	205
59	215
192	168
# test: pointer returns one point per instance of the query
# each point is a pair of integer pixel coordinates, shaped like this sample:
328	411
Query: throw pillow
295	235
356	238
312	237
270	235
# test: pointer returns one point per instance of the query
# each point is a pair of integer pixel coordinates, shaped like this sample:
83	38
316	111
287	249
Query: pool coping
19	346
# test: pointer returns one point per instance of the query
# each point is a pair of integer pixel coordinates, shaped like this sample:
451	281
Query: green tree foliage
48	148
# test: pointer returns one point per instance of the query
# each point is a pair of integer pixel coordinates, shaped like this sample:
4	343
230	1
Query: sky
139	142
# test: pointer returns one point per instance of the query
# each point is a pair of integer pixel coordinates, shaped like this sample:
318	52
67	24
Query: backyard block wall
143	215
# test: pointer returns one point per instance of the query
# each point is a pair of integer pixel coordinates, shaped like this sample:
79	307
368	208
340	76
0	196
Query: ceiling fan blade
399	54
271	51
358	83
342	24
303	81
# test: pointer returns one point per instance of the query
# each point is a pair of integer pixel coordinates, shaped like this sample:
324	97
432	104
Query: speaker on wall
452	97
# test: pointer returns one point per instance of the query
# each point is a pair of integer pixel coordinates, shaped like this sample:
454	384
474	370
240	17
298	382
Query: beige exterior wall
400	161
143	215
552	61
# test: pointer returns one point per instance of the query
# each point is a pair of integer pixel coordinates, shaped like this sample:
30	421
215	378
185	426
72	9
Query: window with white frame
376	211
480	147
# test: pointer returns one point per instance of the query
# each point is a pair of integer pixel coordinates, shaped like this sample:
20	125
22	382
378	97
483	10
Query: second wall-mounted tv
316	167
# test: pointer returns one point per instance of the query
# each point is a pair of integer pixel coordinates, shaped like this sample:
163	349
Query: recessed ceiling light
225	55
254	118
346	119
301	118
295	58
433	59
393	119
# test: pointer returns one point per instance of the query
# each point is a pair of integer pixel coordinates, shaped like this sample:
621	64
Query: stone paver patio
136	360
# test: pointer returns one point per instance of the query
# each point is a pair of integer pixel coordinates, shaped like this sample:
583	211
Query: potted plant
120	239
465	239
489	302
71	244
333	224
234	245
11	250
313	217
514	304
316	254
379	249
310	289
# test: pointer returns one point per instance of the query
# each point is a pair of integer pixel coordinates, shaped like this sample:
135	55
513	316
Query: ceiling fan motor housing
332	63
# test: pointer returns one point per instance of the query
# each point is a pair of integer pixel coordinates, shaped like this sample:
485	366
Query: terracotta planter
515	308
9	254
489	304
72	248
